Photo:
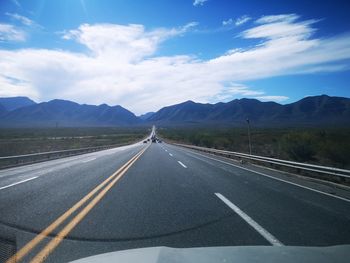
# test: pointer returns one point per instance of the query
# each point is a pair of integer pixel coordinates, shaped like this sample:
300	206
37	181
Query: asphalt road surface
157	194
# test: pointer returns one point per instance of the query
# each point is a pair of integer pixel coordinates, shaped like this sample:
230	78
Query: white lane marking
26	180
272	177
89	160
262	231
166	150
170	154
184	166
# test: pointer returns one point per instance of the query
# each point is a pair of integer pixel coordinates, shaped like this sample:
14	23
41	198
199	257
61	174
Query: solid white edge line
170	154
262	231
272	177
26	180
184	166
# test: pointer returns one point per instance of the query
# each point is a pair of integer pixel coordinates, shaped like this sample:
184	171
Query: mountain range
310	111
64	113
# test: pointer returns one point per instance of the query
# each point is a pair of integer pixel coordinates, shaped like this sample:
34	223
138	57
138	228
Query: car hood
251	254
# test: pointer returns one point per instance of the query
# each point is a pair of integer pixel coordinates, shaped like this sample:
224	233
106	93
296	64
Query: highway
157	194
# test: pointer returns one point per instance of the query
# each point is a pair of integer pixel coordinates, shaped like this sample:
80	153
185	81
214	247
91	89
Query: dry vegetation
313	145
33	140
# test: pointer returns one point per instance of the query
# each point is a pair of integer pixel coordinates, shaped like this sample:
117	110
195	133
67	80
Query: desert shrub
299	146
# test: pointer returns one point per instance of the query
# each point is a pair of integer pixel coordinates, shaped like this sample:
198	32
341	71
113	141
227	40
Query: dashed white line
262	231
26	180
89	160
184	166
170	154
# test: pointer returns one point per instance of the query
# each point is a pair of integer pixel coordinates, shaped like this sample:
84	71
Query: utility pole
249	139
56	134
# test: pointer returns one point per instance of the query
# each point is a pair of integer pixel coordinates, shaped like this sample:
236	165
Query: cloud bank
121	66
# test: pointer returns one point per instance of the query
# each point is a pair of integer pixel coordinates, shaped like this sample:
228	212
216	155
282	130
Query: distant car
159	141
144	141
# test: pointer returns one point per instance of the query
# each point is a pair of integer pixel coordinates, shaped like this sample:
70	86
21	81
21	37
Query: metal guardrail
15	160
342	174
10	161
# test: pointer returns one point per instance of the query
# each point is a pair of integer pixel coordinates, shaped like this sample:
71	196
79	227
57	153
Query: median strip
46	232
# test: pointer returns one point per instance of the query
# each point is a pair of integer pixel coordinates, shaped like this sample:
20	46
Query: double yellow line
45	252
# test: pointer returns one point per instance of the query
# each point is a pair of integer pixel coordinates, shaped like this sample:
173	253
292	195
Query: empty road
157	194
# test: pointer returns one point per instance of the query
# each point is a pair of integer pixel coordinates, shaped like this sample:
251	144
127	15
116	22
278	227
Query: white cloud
199	2
277	18
11	33
242	20
188	26
227	22
16	2
240	89
125	42
281	29
15	87
24	20
233	90
238	22
122	67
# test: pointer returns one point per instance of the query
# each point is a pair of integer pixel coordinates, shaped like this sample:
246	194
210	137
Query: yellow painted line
50	247
35	241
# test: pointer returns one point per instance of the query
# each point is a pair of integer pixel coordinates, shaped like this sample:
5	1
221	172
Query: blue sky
145	55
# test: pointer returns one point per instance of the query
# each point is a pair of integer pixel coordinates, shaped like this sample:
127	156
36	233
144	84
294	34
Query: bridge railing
325	172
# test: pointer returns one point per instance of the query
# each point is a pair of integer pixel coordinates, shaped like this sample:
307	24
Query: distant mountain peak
12	103
146	115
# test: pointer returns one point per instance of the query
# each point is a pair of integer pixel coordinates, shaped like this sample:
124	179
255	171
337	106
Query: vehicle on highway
145	141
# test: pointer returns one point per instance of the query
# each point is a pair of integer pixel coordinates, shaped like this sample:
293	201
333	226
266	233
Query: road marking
170	154
166	150
20	182
272	177
184	166
89	160
262	231
46	251
35	241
